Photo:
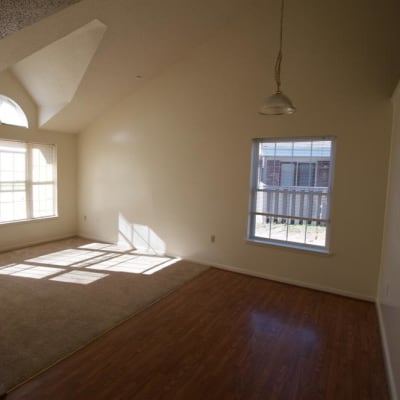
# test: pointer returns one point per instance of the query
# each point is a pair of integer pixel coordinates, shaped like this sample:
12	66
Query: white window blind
291	188
27	181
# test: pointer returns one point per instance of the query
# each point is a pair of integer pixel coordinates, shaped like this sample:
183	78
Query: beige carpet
56	297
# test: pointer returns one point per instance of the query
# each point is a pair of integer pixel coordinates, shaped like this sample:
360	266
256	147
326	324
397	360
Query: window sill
25	221
289	246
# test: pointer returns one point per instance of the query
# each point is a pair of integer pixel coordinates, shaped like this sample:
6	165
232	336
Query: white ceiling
143	37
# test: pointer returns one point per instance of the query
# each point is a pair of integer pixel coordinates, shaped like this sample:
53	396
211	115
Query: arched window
11	113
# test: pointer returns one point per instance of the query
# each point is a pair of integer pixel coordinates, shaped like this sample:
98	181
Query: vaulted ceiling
78	62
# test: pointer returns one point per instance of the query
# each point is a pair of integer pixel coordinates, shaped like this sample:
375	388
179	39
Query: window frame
251	215
29	183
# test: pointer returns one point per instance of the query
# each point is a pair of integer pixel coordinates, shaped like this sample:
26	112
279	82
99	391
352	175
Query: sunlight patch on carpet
29	271
155	269
66	257
80	277
134	264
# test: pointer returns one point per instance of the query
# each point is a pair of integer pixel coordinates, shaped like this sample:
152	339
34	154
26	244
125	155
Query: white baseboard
35	242
294	282
256	274
95	238
386	354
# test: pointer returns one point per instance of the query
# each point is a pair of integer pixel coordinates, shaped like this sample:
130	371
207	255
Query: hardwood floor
229	336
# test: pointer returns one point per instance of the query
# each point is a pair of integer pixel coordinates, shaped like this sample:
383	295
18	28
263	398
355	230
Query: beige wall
389	284
175	156
20	234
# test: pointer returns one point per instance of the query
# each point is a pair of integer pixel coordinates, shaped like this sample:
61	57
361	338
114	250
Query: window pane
11	113
284	149
316	234
12	161
262	226
302	149
297	231
12	202
306	174
288	174
6	162
12	181
42	163
278	229
43	200
322	148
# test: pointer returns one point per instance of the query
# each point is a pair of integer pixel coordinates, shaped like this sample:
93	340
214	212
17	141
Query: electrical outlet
212	238
85	218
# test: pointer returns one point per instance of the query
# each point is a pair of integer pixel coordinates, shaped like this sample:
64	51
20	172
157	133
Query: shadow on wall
139	237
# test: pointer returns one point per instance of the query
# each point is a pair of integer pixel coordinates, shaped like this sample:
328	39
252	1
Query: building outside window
28	187
291	189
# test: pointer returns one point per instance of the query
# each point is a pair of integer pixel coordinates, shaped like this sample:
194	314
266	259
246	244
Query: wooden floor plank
229	336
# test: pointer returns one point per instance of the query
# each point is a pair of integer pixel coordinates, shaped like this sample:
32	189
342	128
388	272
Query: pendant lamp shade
278	103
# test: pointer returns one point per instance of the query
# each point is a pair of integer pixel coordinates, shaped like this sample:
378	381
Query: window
291	187
297	173
27	181
11	113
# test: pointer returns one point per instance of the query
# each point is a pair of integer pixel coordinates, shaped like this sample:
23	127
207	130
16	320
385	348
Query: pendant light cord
279	57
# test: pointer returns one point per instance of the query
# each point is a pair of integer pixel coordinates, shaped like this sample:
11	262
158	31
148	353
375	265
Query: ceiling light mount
278	103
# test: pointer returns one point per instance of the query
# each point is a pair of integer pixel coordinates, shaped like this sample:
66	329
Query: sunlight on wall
139	237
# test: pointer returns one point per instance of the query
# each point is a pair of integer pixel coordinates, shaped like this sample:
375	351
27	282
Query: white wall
20	234
389	284
175	156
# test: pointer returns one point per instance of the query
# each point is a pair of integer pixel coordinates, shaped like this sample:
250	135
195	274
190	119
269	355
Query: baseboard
386	355
275	278
36	242
293	282
95	238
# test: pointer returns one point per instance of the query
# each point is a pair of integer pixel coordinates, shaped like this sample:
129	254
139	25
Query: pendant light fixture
278	103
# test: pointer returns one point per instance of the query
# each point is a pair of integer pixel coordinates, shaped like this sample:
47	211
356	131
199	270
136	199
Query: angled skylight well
53	74
11	113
